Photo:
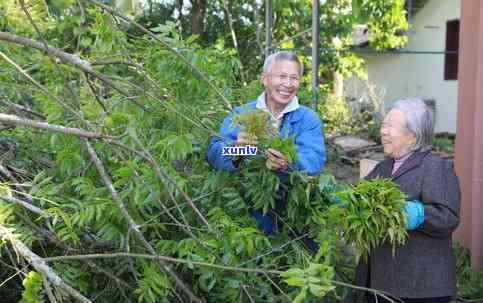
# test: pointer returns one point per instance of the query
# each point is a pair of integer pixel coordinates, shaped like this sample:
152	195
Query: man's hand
244	139
276	160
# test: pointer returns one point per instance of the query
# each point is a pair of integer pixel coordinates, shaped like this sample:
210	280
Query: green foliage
314	280
259	184
33	292
373	213
337	116
470	281
167	109
153	286
373	130
386	21
286	146
444	145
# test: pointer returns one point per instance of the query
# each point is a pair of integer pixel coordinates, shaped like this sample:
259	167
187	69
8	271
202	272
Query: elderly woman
422	270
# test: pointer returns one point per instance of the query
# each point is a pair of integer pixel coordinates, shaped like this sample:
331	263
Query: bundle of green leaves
374	214
255	123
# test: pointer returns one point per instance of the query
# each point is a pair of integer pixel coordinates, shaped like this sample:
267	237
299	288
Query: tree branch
132	225
204	264
52	127
113	62
75	60
233	35
257	25
52	51
162	175
48	290
163	258
174	51
24	204
39	264
42	88
18	108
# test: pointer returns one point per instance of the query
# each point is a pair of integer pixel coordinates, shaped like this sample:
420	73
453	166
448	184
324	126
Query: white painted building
409	74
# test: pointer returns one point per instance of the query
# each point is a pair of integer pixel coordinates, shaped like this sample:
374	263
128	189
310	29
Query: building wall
421	75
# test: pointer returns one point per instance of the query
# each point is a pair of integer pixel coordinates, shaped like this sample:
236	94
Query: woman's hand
414	211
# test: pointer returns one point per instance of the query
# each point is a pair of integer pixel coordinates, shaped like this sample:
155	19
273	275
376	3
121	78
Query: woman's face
395	137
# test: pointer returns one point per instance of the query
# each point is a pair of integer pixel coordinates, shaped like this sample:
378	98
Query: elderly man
281	78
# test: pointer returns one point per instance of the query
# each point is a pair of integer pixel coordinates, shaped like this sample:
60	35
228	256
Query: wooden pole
315	53
268	26
469	134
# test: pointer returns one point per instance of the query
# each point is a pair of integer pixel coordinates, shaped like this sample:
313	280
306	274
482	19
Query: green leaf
296	281
207	281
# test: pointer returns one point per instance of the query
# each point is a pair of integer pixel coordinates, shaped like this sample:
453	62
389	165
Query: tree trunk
338	88
338	84
197	16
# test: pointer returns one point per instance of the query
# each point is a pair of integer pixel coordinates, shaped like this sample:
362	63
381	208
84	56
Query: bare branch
52	127
52	51
92	90
48	290
204	264
278	287
27	13
373	291
247	293
113	62
18	107
24	204
39	264
163	258
15	183
82	12
109	274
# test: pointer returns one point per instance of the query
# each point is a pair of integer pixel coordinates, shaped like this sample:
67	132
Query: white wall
421	75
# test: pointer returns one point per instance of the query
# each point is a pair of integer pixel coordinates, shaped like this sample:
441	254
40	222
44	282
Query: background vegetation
106	115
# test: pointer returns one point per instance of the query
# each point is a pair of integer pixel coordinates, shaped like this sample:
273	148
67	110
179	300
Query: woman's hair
419	121
279	56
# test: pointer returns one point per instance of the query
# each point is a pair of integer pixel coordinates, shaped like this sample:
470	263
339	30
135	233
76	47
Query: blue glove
334	199
414	211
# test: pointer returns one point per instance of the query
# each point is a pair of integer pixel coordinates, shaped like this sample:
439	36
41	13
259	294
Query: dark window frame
451	50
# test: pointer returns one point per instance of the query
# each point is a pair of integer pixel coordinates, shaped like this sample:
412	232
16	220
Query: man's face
282	83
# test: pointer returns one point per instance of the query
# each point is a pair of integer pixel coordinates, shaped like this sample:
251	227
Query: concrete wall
422	75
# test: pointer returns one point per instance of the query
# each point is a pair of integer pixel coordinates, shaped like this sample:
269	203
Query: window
451	55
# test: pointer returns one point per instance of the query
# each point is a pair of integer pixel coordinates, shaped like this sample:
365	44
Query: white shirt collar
290	107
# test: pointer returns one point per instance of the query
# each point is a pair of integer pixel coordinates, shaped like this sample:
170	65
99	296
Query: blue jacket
303	124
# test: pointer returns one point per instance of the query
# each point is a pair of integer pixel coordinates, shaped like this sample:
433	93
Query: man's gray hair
279	56
419	121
